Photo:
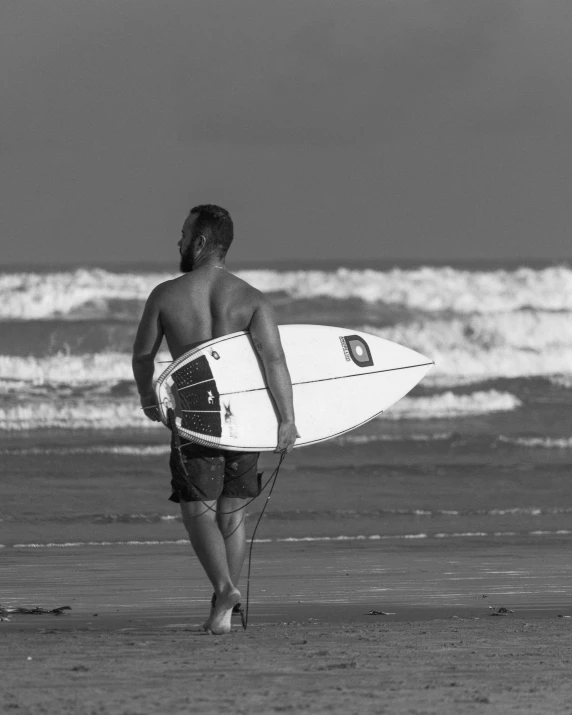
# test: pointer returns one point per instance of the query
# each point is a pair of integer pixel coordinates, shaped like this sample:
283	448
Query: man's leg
231	517
207	541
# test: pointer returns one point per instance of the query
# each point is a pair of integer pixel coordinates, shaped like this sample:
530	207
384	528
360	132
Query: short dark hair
215	224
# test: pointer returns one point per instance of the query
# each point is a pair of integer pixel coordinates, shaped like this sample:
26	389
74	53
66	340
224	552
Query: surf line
300	539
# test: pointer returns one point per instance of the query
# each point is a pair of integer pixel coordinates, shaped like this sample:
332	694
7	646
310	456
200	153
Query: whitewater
98	293
66	336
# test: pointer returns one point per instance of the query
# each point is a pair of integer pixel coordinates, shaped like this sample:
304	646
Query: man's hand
287	434
149	405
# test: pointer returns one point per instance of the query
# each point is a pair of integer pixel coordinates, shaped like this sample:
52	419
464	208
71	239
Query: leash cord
176	443
275	477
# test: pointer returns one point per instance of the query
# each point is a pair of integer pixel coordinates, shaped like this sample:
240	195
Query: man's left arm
147	343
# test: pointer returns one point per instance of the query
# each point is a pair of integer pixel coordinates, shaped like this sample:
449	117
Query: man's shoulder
247	289
163	289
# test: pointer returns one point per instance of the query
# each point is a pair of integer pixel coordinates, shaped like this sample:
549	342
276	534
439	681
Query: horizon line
284	263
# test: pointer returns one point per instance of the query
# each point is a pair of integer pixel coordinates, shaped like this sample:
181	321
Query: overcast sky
329	128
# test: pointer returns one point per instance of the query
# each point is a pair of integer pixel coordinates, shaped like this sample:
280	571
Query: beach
132	642
439	666
435	562
418	564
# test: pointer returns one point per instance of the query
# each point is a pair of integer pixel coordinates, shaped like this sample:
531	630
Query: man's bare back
204	304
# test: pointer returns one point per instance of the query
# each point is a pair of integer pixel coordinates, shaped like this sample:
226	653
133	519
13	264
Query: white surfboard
341	378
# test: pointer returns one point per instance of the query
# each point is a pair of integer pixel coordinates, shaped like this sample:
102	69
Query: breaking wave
307	539
130	450
67	336
298	514
448	404
63	369
156	450
101	293
430	289
83	292
539	442
466	348
515	344
501	323
562	380
72	413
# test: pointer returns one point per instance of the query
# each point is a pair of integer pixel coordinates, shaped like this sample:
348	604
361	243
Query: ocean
501	340
480	450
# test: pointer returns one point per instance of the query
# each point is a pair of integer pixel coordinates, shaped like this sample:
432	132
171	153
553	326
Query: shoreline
362	576
265	615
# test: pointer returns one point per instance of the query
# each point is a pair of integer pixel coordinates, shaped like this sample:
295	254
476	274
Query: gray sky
329	128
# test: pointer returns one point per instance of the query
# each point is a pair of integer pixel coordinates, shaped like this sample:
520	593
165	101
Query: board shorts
212	473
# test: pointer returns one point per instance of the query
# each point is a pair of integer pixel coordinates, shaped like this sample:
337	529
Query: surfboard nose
420	364
392	355
422	359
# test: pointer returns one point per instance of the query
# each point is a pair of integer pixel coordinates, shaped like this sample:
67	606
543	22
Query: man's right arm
147	343
266	338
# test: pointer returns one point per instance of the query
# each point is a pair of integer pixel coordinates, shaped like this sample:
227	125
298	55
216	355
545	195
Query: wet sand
437	535
310	645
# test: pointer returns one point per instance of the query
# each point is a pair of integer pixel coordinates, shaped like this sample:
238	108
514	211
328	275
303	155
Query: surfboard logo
356	349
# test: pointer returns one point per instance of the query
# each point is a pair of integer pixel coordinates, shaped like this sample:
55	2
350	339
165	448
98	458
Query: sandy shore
310	645
446	540
461	665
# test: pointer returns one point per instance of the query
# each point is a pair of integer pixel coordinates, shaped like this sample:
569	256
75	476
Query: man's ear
200	244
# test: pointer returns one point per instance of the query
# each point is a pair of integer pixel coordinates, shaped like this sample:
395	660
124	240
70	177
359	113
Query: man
214	486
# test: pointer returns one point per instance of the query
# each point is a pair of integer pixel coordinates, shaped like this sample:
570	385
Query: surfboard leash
238	609
176	444
273	477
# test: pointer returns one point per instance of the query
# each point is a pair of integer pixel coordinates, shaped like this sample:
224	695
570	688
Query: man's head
207	233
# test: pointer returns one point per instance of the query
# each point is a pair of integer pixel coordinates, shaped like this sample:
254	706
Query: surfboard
341	379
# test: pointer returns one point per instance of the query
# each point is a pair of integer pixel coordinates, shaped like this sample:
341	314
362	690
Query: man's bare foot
220	622
207	624
236	611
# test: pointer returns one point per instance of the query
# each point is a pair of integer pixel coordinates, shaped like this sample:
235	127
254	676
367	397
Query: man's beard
186	263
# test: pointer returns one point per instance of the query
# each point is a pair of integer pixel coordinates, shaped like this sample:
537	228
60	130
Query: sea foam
428	288
448	404
464	348
74	414
83	292
313	539
516	344
64	369
539	442
94	292
80	413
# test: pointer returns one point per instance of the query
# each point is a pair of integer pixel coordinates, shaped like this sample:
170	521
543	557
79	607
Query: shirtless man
207	302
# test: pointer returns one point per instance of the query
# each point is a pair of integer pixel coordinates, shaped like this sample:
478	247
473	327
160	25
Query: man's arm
147	343
266	339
